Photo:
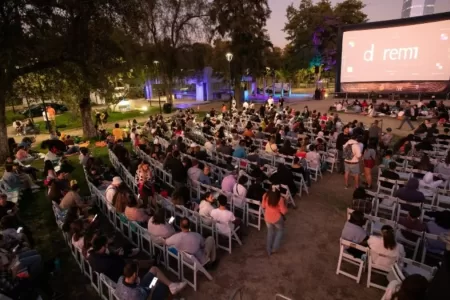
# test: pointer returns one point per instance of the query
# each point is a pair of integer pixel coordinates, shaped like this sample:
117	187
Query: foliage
243	23
169	29
312	30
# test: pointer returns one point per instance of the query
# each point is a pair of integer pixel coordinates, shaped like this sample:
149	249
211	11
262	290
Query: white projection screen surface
419	52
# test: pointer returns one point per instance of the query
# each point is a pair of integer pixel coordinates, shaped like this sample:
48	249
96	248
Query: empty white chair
408	241
230	234
344	256
254	212
384	189
191	262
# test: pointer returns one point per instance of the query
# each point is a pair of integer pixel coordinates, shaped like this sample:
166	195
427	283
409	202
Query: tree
171	27
243	23
312	31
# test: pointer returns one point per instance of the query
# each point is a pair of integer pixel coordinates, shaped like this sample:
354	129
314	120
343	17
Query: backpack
348	152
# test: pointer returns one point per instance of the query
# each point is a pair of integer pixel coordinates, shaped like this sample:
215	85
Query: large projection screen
408	57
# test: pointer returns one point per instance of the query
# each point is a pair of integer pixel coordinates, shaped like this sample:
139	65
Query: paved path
321	106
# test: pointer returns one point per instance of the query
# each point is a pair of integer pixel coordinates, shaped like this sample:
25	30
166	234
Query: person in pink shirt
274	215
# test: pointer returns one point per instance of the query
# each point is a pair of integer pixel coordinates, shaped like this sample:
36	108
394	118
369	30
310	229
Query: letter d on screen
368	54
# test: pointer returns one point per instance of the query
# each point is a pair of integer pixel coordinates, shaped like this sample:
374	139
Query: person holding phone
154	285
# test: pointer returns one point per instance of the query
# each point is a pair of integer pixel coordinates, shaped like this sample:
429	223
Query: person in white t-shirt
385	251
209	146
271	146
206	206
224	218
351	161
313	157
270	101
157	226
245	105
240	191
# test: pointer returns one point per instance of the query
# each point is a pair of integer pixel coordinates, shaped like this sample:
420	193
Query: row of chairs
103	285
365	261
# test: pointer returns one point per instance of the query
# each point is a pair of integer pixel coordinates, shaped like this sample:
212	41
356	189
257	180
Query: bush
167	108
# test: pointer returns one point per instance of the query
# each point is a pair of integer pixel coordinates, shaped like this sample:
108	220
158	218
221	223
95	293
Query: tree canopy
312	30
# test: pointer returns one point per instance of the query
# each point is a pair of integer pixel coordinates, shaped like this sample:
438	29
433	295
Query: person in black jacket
177	169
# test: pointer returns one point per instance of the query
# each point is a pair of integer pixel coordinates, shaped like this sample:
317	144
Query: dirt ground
305	267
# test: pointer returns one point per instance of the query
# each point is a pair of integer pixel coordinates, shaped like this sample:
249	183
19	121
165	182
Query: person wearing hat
111	190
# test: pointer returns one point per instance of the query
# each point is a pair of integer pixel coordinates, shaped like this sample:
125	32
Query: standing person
369	162
281	102
375	133
51	115
47	123
275	210
409	112
351	155
342	138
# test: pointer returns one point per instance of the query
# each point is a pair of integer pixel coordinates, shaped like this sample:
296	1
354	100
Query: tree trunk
282	88
89	130
29	109
264	86
273	86
290	88
4	150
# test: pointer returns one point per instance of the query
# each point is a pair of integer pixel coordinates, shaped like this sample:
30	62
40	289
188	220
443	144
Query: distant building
414	8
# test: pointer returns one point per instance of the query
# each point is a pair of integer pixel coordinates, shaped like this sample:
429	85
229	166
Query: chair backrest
347	244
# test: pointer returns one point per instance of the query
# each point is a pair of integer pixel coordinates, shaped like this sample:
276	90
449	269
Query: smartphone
153	283
95	217
171	219
19	230
15	248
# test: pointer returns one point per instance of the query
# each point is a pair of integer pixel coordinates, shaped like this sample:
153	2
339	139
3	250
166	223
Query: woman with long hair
120	199
274	215
384	250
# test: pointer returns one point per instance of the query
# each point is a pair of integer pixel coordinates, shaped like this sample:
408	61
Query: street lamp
156	63
229	57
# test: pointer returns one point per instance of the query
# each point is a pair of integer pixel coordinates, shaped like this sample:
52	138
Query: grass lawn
69	120
36	212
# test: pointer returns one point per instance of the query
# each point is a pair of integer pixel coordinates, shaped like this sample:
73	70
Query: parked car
37	109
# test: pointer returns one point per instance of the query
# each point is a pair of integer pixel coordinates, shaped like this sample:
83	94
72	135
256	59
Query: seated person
354	232
193	243
206	205
73	198
23	156
313	157
439	226
111	190
240	190
130	287
205	176
226	221
84	156
413	222
389	174
255	190
134	213
429	182
97	179
410	193
387	246
11	178
158	227
7	207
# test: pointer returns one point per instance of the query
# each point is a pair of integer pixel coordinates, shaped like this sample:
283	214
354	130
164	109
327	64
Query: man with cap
111	190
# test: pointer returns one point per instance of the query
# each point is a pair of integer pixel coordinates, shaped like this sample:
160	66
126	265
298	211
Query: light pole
156	63
229	57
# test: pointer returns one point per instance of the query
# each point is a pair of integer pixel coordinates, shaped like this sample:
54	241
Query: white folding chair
409	242
432	246
378	269
344	256
191	262
443	198
315	172
254	212
230	233
386	190
159	249
406	267
172	254
386	205
377	223
107	287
